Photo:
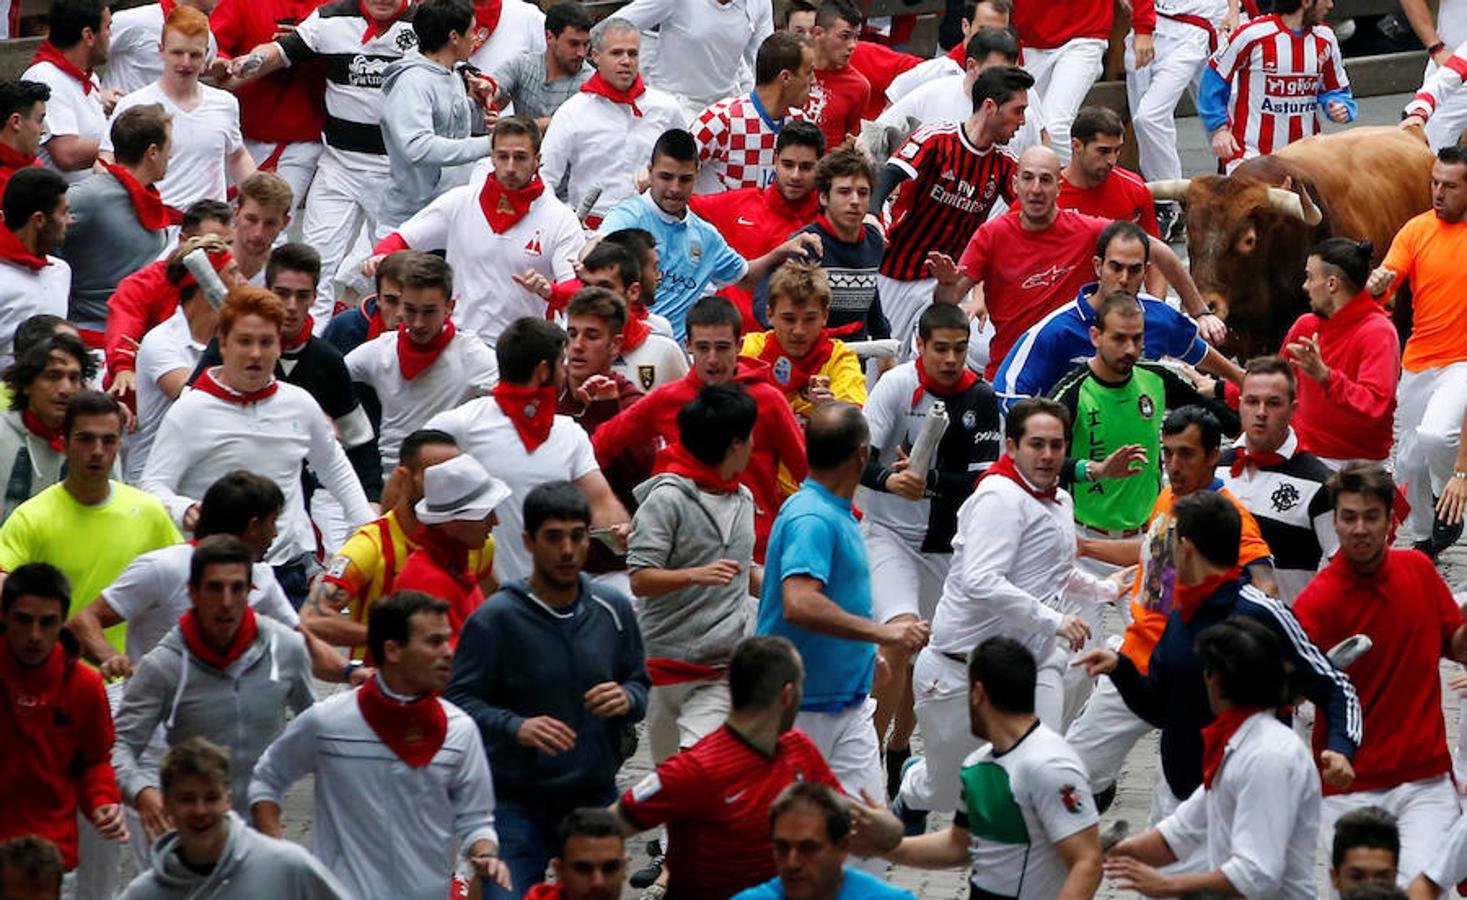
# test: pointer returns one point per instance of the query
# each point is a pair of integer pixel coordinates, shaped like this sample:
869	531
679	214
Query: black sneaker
1444	535
644	876
1426	547
895	759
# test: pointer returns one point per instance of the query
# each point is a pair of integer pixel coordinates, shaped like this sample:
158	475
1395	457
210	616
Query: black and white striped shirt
1292	507
355	70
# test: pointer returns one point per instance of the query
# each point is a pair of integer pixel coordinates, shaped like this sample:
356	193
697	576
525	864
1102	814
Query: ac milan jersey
736	139
953	189
1122	196
1276	77
714	797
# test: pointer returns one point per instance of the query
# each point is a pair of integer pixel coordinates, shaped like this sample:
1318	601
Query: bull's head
1237	229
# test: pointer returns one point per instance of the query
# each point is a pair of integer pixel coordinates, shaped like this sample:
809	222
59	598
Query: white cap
459	490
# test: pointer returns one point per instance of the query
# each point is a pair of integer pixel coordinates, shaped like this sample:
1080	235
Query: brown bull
1248	233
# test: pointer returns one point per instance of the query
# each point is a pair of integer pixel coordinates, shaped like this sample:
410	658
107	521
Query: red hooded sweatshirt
56	734
778	439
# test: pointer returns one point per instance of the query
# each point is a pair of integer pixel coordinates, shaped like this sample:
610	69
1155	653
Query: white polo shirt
483	431
547	240
465	369
203	138
132	56
594	142
656	362
152	593
167	348
70	111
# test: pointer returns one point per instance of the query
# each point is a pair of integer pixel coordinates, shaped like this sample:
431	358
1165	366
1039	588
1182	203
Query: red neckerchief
376	28
12	250
823	221
603	88
218	259
486	20
959	54
1215	737
414	730
13	159
243	637
49	52
147	204
1243	459
302	337
413	358
1005	468
375	325
532	410
925	383
634	332
33	694
166	6
803	368
33	424
504	208
209	385
674	459
1189	597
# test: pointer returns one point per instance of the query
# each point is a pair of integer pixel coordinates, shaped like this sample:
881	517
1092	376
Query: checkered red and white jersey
735	138
1276	78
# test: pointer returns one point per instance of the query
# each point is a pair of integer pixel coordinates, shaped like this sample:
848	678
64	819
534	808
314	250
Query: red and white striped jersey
1276	77
9	19
1440	85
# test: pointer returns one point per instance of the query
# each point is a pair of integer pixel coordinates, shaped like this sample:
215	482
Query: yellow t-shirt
1429	253
367	565
91	545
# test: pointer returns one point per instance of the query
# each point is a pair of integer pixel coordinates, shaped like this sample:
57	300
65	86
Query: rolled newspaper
879	348
198	265
588	202
925	447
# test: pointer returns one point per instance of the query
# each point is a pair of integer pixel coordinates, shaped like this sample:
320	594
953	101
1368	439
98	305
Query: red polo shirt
1122	195
1409	614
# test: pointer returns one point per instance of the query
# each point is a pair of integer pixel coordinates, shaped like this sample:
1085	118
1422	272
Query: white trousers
904	580
940	697
1428	430
1154	91
679	715
1424	811
1104	734
1449	120
903	303
297	164
1063	76
345	201
848	742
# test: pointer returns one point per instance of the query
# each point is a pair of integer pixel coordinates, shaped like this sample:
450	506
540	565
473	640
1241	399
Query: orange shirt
1429	253
1156	578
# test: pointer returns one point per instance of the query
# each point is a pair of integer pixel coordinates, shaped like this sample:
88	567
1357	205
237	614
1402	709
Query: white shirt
1451	22
132	57
203	438
152	593
1006	581
167	348
202	140
386	829
548	240
483	431
1449	866
25	293
521	29
946	100
70	111
1260	820
594	142
920	74
658	361
466	368
701	44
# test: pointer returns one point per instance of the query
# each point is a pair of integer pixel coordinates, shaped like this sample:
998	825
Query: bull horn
1298	206
1169	188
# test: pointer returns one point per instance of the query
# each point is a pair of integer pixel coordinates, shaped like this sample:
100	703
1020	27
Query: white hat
459	490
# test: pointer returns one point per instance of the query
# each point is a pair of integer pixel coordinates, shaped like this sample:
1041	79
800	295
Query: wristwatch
348	669
1459	474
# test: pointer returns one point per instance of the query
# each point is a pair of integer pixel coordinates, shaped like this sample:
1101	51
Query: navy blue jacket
517	660
1173	697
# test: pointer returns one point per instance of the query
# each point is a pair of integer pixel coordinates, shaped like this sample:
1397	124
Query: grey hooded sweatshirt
252	867
242	708
678	526
426	118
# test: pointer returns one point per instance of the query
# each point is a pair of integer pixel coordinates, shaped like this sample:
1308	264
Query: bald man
1032	263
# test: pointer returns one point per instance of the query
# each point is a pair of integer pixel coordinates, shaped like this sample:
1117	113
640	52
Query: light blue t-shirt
816	535
857	885
693	259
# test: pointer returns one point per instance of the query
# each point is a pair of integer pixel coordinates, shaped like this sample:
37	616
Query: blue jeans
527	837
